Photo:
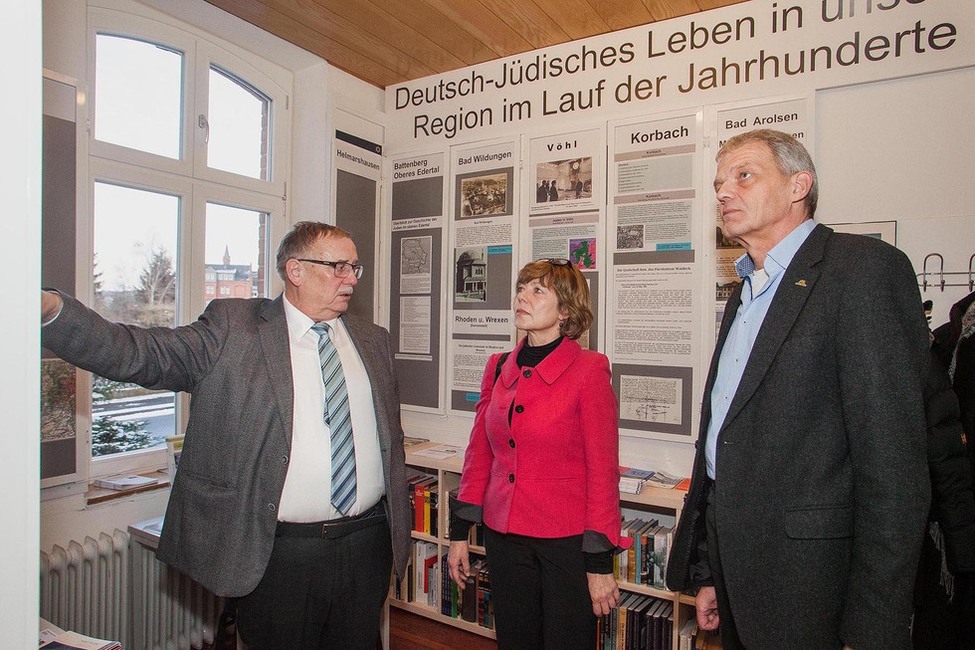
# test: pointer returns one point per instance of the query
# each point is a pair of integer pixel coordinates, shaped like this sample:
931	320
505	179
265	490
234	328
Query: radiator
115	588
170	611
85	586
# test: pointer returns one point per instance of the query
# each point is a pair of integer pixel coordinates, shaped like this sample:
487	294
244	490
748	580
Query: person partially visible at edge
542	472
944	593
252	514
962	370
809	491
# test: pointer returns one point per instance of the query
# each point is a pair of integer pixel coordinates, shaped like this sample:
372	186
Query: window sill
96	495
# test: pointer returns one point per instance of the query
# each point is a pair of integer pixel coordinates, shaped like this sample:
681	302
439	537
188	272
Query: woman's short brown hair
570	288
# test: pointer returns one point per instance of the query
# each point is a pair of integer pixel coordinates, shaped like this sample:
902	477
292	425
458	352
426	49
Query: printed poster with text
793	117
652	335
566	209
416	277
482	224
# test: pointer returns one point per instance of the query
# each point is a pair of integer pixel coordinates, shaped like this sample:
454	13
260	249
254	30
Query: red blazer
554	471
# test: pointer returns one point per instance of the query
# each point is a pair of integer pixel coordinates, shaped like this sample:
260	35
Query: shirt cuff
57	313
463	515
601	562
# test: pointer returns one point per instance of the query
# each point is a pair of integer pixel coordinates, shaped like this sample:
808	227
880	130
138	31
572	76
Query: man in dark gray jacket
253	512
809	491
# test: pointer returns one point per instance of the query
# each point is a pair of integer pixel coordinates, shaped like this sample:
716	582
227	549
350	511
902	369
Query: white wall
904	150
20	236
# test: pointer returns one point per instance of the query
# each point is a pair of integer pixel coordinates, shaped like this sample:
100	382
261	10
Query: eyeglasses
342	269
557	261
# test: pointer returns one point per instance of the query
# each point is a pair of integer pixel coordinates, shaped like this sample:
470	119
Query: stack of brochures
663	480
125	481
633	479
54	638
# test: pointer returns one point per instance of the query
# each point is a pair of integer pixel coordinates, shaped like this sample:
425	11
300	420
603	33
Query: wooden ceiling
386	42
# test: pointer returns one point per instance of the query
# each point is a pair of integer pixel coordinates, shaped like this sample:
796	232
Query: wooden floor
412	632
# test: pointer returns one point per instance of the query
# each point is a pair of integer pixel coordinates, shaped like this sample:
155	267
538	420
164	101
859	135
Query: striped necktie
339	421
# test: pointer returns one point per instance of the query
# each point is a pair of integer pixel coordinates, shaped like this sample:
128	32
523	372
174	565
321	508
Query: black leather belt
334	528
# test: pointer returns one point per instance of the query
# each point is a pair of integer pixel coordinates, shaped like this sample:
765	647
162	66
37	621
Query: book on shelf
661	546
622	609
685	484
669	627
124	481
403	589
425	557
411	441
620	559
434	527
427	489
640	633
446	595
640	536
434	583
430	576
704	640
468	597
485	608
631	553
419	501
609	633
648	556
685	638
655	629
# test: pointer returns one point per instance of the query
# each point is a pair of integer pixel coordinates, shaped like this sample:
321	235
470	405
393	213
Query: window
145	116
134	282
238	120
187	159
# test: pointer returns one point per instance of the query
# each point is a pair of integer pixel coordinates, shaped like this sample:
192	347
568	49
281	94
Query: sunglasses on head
557	261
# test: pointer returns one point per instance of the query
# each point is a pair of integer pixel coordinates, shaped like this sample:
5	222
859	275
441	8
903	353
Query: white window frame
104	21
116	173
209	54
198	55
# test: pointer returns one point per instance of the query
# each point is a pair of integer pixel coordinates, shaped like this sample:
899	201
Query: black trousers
540	592
320	593
729	632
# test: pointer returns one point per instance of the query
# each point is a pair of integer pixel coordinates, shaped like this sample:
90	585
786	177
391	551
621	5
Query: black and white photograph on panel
470	276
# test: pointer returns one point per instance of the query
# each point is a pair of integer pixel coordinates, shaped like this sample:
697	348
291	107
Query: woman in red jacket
542	472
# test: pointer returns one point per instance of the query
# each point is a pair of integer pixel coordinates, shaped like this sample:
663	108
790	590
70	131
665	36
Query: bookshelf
447	471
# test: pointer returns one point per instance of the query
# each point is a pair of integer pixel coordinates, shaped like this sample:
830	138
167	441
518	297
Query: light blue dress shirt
756	297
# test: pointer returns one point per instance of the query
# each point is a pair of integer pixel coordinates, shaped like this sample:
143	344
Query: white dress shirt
307	486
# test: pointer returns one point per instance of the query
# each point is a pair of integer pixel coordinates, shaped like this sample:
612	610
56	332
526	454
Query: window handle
204	124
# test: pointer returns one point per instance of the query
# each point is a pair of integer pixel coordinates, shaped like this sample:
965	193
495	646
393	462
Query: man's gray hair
302	237
789	154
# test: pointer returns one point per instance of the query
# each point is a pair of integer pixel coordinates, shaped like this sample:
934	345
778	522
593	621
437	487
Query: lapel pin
801	283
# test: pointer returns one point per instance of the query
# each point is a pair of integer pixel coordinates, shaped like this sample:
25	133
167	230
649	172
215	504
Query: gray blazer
822	483
235	361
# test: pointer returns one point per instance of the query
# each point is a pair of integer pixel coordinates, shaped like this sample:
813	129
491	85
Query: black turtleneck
531	356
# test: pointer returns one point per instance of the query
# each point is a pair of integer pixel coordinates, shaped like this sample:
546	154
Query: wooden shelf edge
433	614
663	594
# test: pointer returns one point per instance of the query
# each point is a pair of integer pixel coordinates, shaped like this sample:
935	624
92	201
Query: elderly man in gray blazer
273	437
809	492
